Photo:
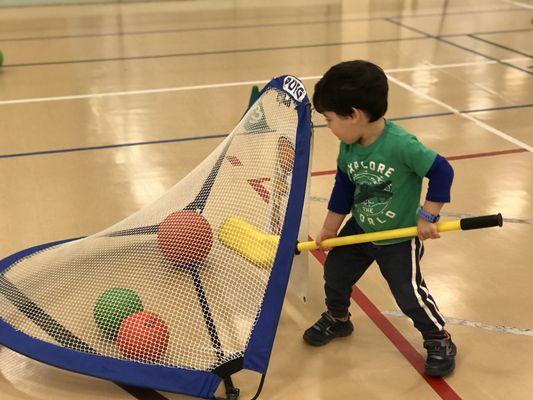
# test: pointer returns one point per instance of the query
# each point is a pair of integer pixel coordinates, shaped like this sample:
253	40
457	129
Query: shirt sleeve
440	177
417	156
341	164
342	195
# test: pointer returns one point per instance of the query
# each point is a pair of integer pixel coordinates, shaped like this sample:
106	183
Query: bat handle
485	221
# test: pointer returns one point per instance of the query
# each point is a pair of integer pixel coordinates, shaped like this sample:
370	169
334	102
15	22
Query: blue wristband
428	217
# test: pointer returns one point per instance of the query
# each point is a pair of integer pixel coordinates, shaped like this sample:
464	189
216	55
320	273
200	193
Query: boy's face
345	128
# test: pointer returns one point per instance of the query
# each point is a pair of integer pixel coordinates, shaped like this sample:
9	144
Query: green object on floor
253	96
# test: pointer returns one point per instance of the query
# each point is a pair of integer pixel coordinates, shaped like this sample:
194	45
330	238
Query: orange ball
185	238
143	336
285	154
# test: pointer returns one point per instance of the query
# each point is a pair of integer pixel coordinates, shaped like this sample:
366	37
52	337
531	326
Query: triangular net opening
159	289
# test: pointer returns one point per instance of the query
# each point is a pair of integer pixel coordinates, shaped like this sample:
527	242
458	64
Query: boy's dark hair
358	84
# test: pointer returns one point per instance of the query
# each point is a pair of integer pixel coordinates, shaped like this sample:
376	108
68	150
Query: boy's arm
331	226
342	195
340	204
440	177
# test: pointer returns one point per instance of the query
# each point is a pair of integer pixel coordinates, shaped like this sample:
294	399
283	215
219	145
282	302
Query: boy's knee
406	296
335	263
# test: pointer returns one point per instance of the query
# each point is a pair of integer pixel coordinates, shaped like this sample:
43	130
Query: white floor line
320	199
429	66
478	122
479	85
519	4
509	220
228	84
516	59
132	92
474	324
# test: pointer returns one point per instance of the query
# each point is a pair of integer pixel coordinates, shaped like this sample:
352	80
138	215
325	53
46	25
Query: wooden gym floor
105	106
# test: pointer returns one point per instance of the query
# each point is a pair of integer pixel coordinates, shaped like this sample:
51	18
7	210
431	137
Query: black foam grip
485	221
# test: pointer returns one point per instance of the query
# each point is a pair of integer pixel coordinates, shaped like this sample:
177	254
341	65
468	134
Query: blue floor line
110	146
496	108
487	32
219	52
210	53
270	25
222	135
473	36
440	114
441	39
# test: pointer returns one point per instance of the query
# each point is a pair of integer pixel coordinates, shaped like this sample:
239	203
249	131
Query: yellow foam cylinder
253	244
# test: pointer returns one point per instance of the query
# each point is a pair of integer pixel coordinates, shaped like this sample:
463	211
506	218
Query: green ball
112	307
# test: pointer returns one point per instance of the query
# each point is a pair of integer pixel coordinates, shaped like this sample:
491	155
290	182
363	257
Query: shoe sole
439	374
318	344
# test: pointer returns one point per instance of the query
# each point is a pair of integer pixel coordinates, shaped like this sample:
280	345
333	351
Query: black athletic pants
400	266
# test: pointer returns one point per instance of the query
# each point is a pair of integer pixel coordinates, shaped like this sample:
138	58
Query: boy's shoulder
398	131
400	139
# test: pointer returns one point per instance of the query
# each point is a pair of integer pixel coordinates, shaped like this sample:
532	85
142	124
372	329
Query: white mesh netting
159	287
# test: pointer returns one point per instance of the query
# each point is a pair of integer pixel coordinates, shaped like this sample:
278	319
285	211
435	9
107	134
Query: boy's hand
323	235
427	230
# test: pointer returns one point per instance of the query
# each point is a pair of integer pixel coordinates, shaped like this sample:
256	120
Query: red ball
143	336
185	238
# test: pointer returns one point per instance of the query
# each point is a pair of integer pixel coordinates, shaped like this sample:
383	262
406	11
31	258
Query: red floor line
488	154
451	158
329	172
439	385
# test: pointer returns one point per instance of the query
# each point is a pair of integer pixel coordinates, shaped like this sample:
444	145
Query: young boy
380	168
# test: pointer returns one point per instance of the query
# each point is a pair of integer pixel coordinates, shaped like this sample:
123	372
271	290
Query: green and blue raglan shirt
381	183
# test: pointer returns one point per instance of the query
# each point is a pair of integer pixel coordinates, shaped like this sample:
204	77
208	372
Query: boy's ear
356	114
